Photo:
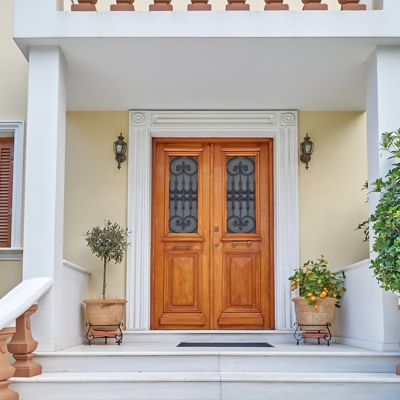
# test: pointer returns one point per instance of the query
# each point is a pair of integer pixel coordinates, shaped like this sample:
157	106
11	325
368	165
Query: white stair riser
208	336
218	363
206	391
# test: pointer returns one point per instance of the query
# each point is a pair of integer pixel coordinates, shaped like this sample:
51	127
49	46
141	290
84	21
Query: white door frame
144	125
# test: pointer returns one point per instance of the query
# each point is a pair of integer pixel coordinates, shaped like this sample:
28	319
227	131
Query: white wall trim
144	125
76	267
15	129
354	266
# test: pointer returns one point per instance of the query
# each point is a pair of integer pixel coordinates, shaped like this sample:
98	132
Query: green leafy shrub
107	243
315	280
386	219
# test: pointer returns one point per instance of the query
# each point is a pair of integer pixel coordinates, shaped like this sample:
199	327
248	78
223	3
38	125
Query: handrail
353	266
19	299
76	267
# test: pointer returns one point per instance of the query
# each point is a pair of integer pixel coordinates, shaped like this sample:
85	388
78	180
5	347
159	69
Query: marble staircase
149	366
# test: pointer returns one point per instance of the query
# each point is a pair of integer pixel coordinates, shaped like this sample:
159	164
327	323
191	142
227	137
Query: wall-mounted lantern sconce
306	148
120	150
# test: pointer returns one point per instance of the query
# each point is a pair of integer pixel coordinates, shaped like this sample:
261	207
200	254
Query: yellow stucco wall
331	202
13	69
217	5
13	97
94	190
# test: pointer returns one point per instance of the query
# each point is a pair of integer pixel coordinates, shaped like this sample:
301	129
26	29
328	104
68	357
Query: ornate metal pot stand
313	331
116	333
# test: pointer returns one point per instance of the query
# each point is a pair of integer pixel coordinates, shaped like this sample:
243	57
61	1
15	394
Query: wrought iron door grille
183	195
240	195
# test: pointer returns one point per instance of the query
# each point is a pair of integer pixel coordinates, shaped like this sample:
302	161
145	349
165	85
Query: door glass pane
183	195
240	195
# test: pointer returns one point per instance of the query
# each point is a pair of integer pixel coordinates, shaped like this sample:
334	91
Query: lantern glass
307	147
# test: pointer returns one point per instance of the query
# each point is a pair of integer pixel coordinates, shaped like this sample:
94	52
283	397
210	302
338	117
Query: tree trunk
104	280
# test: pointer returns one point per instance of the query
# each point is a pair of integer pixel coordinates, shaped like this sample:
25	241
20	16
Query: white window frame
15	129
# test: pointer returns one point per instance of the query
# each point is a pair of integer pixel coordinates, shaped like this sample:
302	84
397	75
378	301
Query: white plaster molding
139	223
10	254
280	125
212	119
15	129
76	267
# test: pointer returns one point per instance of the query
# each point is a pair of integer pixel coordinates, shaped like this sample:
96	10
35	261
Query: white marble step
208	386
166	357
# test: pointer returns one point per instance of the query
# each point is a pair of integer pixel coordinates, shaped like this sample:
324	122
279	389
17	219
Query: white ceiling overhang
216	60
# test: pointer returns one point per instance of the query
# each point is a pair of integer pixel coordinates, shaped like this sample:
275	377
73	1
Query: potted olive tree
109	244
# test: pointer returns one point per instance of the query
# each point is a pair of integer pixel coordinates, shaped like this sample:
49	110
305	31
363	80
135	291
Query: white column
383	88
44	184
139	223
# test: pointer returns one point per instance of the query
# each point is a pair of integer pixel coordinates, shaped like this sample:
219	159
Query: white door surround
144	125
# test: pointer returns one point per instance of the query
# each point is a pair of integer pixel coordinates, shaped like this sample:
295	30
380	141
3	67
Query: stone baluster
22	346
237	5
275	5
314	5
123	5
161	5
199	5
352	5
84	5
6	370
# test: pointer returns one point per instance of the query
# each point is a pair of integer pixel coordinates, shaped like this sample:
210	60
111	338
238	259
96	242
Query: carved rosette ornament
84	5
199	5
314	5
123	5
161	5
352	5
23	345
275	5
6	370
237	5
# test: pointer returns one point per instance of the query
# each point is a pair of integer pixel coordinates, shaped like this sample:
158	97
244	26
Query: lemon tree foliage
107	243
385	220
315	280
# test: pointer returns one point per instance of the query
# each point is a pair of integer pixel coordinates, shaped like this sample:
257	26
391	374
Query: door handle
189	245
248	243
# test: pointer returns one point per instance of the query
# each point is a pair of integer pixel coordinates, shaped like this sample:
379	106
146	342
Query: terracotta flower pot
308	315
105	312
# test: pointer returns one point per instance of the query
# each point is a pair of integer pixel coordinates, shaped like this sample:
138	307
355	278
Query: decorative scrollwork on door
183	195
240	195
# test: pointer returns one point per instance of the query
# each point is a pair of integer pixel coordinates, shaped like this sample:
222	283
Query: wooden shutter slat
6	181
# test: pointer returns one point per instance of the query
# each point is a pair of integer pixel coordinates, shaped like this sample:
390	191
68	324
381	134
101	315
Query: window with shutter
6	186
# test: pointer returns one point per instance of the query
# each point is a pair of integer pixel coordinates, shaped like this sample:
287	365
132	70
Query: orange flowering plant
315	280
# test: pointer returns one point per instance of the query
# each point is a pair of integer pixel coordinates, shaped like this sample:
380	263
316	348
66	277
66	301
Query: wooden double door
212	234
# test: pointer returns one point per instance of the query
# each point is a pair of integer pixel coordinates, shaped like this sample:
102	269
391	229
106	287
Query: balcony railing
217	5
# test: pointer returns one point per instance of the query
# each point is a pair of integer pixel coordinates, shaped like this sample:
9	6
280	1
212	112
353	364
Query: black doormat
225	344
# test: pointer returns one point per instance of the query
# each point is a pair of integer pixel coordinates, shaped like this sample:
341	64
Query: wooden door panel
182	281
180	272
241	304
243	259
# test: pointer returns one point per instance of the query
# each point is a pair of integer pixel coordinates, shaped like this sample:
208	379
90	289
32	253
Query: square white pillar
44	186
383	88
